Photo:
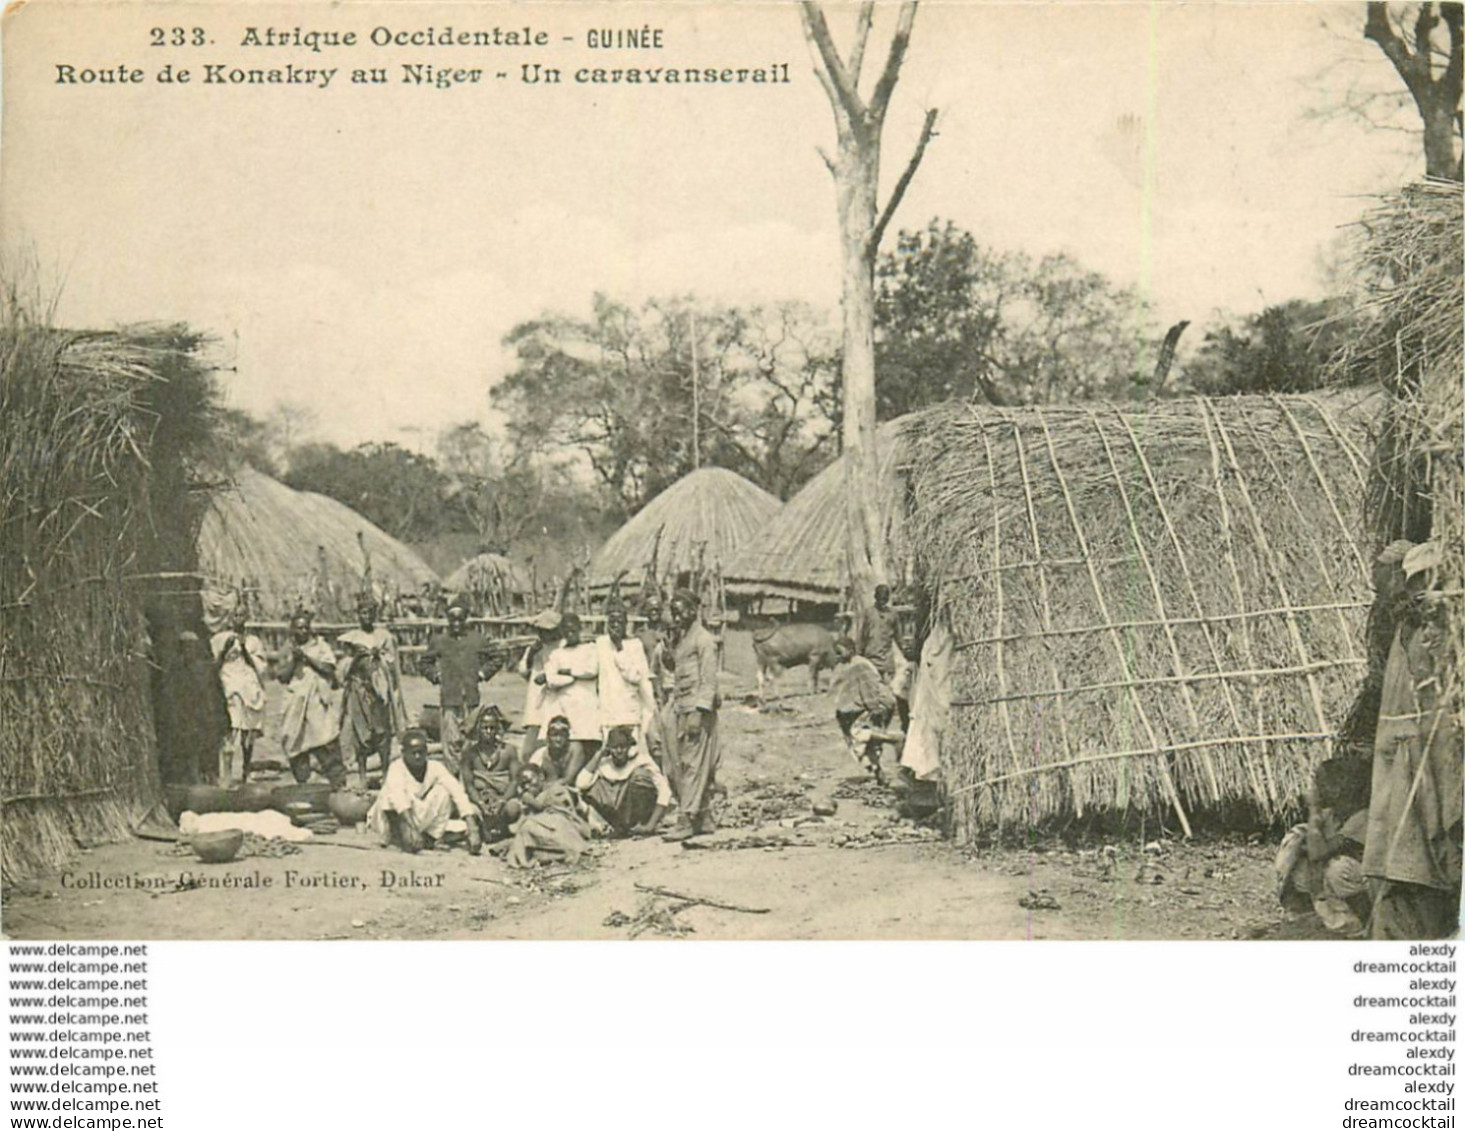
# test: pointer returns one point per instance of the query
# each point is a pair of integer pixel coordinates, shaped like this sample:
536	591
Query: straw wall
88	520
1156	610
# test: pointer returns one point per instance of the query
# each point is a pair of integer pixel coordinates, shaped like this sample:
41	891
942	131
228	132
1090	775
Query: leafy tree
398	490
959	321
1285	348
618	389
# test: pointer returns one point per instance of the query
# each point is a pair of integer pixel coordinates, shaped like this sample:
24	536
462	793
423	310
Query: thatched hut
284	548
800	554
696	524
97	435
1150	609
1412	270
494	584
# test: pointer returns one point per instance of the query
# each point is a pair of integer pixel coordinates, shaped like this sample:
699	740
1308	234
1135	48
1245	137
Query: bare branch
829	164
1424	25
886	86
928	131
862	36
816	31
1380	29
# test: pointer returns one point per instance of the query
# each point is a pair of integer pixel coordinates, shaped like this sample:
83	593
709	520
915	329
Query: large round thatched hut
800	554
1145	609
696	524
285	548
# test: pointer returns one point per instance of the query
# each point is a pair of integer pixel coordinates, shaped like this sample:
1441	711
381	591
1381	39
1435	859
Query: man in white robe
418	800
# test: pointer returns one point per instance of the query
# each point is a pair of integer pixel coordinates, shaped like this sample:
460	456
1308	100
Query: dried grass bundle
1156	609
1412	313
94	428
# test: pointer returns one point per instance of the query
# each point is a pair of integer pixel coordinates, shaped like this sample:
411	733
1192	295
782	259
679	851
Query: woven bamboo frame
1203	552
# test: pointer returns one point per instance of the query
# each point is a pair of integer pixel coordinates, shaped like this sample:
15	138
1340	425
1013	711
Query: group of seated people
497	794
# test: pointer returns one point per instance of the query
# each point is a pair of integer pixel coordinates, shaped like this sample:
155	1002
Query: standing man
624	674
310	726
876	636
457	660
372	709
694	703
241	661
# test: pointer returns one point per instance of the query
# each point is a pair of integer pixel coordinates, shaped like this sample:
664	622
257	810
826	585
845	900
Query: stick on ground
699	899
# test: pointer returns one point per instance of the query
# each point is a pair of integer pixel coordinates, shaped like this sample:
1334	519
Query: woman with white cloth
241	660
571	675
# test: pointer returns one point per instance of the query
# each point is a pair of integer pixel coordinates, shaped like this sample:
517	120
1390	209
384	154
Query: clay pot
313	794
251	798
206	799
349	808
219	847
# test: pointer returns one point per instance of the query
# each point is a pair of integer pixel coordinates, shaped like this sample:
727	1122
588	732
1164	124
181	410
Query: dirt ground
782	873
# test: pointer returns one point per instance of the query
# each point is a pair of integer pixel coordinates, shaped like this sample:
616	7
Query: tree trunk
1442	158
857	180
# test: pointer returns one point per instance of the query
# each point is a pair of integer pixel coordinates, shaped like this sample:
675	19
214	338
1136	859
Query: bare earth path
860	874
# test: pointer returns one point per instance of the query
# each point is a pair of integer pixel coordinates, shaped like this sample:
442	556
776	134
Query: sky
361	251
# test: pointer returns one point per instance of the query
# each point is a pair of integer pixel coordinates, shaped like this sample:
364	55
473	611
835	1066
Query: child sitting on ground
1319	865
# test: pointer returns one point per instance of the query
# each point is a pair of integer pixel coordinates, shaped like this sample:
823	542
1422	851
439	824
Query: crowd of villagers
620	729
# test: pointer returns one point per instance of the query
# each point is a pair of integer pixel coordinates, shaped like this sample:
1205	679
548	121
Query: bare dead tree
1432	71
855	168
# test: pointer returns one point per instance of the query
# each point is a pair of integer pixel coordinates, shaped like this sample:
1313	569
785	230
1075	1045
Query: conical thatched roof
800	553
486	569
712	510
1154	609
261	535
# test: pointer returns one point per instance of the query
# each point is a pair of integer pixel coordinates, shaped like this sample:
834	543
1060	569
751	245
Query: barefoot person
531	666
624	786
550	825
624	679
418	798
310	725
694	703
863	704
571	673
489	769
457	661
241	661
372	709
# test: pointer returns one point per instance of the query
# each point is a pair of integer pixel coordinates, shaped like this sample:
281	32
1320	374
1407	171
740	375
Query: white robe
930	706
624	684
573	695
428	804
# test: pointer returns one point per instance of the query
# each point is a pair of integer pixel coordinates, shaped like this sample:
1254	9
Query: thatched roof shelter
287	547
494	582
1411	264
800	554
700	521
97	433
1155	609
